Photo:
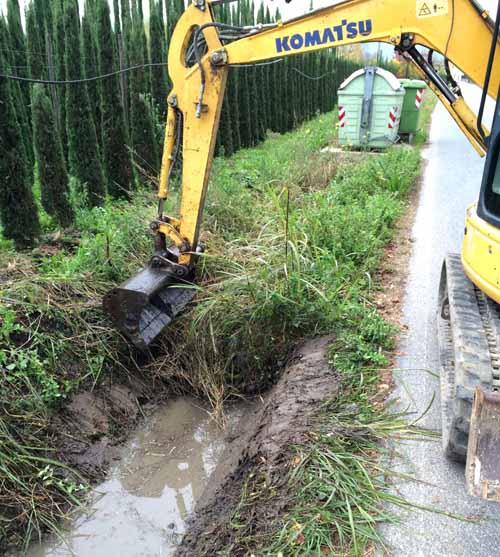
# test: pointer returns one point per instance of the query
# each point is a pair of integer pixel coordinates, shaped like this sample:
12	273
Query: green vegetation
271	276
106	126
50	160
84	160
116	159
340	477
17	205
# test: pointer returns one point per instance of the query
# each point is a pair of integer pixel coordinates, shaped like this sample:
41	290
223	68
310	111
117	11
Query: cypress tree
84	160
262	88
140	48
269	83
40	18
253	92
175	9
90	63
18	212
116	159
161	15
50	159
34	45
21	106
140	13
234	107
156	40
125	12
116	16
60	71
230	110
17	43
277	88
243	89
145	149
48	15
289	112
225	129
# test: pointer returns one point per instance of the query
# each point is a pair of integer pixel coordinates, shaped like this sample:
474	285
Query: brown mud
260	458
91	428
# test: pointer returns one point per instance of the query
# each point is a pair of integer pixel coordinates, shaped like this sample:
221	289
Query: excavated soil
90	429
261	457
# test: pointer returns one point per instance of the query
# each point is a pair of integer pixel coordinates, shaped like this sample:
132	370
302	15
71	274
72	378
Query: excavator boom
200	55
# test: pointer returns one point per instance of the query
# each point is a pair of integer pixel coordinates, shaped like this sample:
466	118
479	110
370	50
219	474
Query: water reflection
142	508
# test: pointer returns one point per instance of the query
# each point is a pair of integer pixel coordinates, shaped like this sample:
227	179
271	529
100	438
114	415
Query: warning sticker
431	8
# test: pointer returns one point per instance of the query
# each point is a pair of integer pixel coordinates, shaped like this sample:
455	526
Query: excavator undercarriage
469	341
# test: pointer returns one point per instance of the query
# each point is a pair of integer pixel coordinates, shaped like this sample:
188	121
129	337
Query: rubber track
468	345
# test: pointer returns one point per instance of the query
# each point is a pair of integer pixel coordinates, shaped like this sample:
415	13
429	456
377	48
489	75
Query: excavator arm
200	56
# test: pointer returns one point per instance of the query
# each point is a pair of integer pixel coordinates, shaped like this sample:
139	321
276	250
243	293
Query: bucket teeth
145	304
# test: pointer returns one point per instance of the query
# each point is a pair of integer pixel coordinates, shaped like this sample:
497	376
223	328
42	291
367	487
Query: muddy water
141	509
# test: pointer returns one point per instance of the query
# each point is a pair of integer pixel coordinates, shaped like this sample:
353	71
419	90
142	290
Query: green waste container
410	118
370	105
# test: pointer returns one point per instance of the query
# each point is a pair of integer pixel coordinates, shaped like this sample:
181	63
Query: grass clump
303	267
340	480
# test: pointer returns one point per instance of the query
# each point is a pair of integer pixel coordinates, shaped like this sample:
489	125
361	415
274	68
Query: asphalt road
451	182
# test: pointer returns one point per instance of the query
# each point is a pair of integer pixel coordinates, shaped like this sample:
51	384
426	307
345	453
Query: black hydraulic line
482	12
198	56
488	74
455	87
430	54
432	75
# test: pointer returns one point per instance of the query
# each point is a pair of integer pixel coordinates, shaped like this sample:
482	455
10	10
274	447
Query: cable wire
269	63
312	77
82	80
451	28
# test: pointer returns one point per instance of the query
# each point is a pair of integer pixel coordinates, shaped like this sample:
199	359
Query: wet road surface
451	182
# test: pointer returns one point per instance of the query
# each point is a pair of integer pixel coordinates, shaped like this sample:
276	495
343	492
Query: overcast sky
293	9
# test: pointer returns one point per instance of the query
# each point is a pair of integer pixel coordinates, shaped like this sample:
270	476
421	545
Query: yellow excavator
201	53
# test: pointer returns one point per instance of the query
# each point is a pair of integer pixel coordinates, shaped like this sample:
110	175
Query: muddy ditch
142	506
179	457
260	458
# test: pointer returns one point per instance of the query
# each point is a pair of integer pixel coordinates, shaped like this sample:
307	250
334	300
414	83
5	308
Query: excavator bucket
146	303
483	455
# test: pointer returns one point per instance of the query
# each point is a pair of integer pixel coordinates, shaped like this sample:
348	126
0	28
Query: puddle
141	509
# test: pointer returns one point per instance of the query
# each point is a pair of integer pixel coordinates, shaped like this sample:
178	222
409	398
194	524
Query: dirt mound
260	457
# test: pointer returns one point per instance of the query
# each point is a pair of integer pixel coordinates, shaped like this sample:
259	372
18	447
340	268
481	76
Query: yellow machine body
481	254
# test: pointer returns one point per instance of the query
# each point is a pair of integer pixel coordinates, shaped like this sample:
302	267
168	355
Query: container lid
413	84
391	79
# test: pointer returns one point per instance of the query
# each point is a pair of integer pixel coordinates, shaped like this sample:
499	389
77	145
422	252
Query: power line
312	77
268	63
141	66
83	80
